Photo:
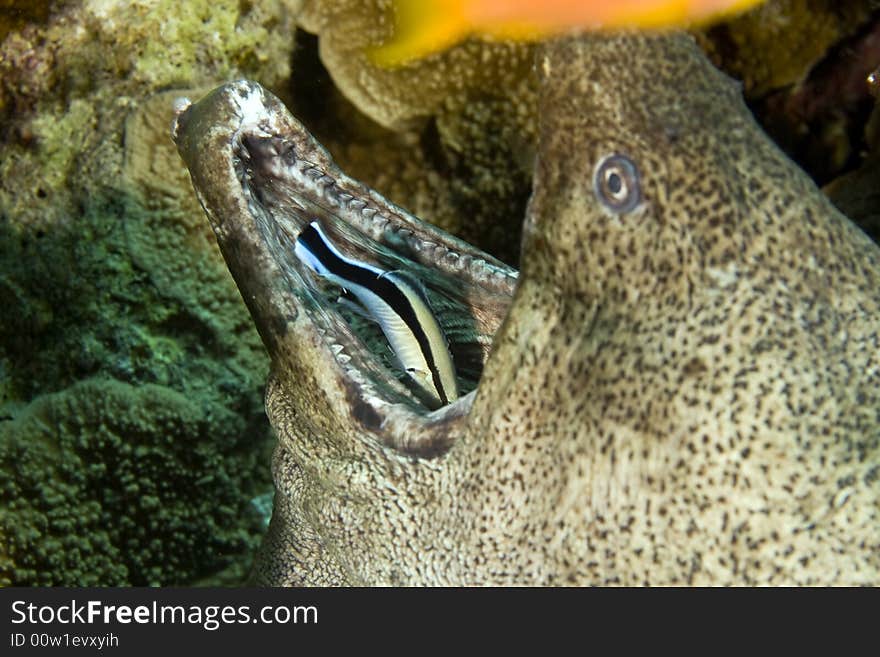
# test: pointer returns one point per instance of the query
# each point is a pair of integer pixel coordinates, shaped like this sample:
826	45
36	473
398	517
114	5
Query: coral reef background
132	435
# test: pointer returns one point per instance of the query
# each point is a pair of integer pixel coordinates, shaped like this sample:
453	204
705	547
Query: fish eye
616	183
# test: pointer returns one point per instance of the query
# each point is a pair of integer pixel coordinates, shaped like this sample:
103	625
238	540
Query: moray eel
680	386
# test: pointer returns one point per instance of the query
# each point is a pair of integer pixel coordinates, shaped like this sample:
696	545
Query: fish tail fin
422	27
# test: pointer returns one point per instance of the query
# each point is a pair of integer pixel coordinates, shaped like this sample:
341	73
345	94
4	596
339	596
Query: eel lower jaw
280	180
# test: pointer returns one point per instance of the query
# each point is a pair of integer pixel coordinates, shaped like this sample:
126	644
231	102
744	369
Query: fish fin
350	303
421	28
425	27
423	377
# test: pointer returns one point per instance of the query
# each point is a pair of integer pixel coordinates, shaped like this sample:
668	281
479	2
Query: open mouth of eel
391	297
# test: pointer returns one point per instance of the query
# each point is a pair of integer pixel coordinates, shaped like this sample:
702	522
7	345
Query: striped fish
396	304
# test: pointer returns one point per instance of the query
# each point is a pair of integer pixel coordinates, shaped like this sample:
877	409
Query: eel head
634	402
350	425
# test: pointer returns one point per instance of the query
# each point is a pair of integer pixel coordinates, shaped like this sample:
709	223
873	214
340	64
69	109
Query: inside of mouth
467	303
360	335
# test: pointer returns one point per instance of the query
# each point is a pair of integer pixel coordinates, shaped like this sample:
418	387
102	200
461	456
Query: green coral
128	331
98	298
118	484
122	293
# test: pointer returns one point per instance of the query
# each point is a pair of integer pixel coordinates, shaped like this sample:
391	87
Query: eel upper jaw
261	178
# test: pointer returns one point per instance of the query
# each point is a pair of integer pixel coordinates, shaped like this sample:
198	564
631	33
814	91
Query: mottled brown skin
699	404
685	393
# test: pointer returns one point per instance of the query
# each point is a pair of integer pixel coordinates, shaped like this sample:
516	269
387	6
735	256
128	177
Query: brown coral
776	44
470	110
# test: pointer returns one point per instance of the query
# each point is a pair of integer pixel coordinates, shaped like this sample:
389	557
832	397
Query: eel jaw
261	178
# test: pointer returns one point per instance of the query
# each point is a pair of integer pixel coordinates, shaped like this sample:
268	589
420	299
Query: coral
434	85
105	49
15	14
821	121
123	293
776	44
133	288
118	484
159	43
115	277
66	86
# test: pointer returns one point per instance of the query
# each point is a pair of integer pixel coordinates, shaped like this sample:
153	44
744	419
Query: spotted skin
686	393
699	404
683	394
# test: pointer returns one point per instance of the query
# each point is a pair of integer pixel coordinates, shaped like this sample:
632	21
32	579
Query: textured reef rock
774	46
15	14
443	83
132	433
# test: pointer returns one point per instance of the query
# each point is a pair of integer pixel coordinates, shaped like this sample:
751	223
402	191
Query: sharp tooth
478	269
336	349
345	359
499	274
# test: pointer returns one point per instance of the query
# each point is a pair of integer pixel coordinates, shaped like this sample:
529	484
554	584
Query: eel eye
616	183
